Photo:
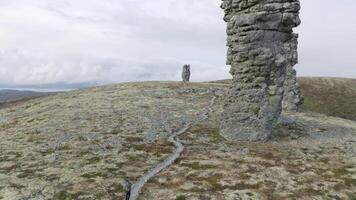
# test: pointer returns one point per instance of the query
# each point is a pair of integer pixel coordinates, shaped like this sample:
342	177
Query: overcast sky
81	42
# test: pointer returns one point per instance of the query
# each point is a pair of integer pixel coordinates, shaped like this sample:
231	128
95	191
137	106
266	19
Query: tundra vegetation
83	145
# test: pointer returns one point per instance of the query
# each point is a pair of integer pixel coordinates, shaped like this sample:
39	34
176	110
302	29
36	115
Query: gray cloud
95	42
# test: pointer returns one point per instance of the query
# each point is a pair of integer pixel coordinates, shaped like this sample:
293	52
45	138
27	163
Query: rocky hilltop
84	144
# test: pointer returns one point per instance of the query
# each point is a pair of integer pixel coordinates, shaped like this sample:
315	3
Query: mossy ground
83	144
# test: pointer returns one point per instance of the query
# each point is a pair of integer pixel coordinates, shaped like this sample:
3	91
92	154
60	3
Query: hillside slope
14	95
83	145
330	96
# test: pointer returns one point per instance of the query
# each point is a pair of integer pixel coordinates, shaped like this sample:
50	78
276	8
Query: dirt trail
139	184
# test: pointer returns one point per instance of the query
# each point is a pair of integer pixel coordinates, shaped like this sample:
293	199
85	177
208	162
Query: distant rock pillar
261	46
186	73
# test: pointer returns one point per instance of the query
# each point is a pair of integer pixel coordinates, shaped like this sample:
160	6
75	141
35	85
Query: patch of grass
14	153
324	160
133	158
52	177
157	149
64	195
244	176
351	196
339	186
211	130
91	175
133	139
94	160
198	166
17	186
64	147
350	182
312	192
10	168
115	131
340	172
181	197
27	173
330	96
246	186
214	182
4	158
116	187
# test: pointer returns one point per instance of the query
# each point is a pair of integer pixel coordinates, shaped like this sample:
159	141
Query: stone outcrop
262	46
293	97
186	73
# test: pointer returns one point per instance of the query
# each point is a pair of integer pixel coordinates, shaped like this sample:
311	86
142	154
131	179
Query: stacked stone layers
262	46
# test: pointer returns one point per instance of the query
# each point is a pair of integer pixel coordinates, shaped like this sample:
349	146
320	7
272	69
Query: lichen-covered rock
261	46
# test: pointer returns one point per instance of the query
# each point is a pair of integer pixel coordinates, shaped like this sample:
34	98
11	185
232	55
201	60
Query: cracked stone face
293	97
262	51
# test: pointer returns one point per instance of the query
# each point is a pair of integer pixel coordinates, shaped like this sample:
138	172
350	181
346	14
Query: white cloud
95	41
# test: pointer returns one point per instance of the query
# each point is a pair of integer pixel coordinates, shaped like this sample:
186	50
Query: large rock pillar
261	46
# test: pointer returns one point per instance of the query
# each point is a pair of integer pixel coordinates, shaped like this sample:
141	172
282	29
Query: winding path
139	184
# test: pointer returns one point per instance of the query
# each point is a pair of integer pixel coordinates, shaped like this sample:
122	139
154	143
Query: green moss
94	160
339	186
64	195
324	160
116	187
14	154
181	197
52	177
198	166
351	196
91	175
4	158
244	176
339	172
312	192
17	186
245	186
156	149
349	182
211	130
133	158
214	182
133	139
115	131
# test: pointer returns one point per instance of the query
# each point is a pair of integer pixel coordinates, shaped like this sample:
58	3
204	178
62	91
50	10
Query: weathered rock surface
186	73
262	46
293	97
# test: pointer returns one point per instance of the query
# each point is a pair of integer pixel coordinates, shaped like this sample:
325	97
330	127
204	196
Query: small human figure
186	73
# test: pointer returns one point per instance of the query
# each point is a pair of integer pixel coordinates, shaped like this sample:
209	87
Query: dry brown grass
330	96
